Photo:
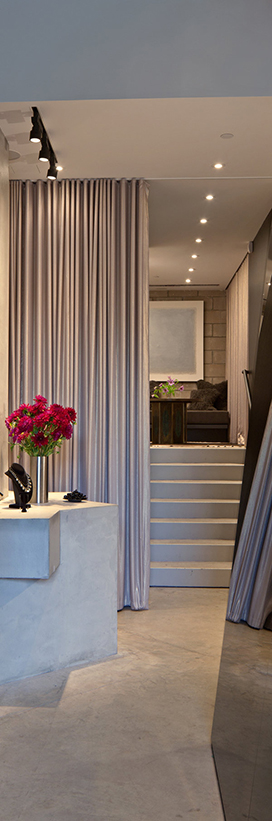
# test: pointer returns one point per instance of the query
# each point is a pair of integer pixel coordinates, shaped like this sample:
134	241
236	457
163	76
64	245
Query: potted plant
167	389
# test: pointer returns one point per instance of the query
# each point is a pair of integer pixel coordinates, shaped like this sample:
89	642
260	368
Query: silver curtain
237	354
250	594
79	336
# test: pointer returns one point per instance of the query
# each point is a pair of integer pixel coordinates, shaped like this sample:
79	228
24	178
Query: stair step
195	492
204	453
196	471
191	508
192	489
190	574
191	550
209	528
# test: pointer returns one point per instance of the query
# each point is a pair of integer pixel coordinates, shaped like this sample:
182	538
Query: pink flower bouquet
39	429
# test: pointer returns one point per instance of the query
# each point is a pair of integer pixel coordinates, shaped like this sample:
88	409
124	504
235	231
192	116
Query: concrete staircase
195	494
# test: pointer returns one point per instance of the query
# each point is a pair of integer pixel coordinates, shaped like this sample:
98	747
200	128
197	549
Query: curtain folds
79	336
237	354
250	593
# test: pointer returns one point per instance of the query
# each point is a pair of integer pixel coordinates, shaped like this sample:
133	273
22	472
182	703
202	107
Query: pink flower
24	425
56	434
55	408
67	432
40	440
40	400
72	414
25	407
22	436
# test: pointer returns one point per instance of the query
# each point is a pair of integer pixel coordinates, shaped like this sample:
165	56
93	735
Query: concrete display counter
58	586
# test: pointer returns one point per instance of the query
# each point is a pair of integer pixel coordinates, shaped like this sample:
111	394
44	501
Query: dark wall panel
256	282
242	727
262	381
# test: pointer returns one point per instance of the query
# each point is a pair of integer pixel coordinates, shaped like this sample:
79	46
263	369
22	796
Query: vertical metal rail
247	387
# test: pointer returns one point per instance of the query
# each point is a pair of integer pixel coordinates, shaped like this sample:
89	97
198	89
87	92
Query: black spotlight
39	134
36	132
44	154
52	170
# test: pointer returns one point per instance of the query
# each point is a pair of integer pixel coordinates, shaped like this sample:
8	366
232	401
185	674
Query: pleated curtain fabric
250	594
79	336
237	354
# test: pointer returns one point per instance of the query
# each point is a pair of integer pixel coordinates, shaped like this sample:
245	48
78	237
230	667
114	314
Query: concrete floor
127	739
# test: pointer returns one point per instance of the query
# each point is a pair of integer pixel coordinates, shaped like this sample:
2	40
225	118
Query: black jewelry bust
22	486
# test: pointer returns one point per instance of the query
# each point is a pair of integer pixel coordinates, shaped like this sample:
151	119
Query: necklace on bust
22	486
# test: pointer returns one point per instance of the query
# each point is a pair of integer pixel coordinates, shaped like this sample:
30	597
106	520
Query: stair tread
196	481
198	542
200	446
200	521
193	499
197	464
194	565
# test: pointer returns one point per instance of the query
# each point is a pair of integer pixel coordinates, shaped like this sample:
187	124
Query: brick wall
214	327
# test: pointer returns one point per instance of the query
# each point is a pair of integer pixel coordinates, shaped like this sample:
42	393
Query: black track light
39	134
37	129
52	173
52	170
44	154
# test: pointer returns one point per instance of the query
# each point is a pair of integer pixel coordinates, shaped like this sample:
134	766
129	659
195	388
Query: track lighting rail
38	134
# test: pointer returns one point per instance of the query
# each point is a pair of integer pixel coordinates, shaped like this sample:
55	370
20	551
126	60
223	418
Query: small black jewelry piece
22	486
75	496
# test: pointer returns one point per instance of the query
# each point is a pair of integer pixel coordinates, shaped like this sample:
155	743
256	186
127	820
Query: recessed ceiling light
59	167
191	269
203	221
218	165
187	280
209	197
198	239
226	136
194	256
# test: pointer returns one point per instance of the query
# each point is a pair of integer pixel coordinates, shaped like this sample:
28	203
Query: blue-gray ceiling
96	49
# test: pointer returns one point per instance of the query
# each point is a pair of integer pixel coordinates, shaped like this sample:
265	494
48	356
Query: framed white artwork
176	340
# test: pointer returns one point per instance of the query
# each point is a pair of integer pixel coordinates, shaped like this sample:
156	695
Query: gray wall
122	48
214	327
4	316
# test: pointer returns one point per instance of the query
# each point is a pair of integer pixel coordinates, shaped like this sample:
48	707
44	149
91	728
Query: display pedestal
58	586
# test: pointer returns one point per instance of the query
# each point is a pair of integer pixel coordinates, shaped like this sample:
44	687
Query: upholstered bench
207	416
208	426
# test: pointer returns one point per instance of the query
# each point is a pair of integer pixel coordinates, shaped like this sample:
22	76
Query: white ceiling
173	143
